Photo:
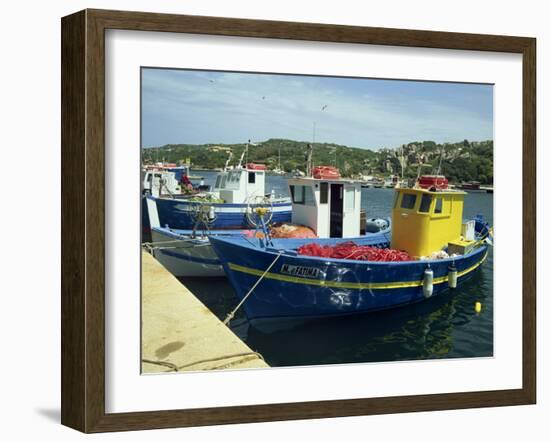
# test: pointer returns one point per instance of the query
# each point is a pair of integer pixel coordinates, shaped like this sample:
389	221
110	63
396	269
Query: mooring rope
175	367
221	358
232	314
150	246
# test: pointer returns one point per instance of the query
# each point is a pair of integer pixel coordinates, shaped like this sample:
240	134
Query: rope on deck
232	314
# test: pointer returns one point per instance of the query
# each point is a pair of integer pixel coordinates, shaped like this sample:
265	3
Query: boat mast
245	152
226	167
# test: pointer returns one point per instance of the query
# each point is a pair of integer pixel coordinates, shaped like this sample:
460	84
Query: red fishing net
350	250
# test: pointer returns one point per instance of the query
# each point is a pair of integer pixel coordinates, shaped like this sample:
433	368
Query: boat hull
309	286
185	256
178	214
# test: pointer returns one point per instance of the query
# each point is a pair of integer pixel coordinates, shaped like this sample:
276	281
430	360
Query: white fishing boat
237	189
159	182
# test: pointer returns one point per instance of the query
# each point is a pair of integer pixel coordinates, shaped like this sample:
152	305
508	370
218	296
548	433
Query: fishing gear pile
286	230
350	250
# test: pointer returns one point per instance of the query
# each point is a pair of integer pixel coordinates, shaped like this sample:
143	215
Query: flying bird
324	107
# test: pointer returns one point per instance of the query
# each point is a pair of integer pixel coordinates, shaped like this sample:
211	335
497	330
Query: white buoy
428	283
452	276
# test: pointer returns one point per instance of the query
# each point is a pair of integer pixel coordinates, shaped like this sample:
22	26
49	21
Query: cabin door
336	210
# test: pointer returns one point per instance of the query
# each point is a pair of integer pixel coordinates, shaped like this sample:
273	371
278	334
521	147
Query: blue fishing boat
272	279
237	190
324	208
185	213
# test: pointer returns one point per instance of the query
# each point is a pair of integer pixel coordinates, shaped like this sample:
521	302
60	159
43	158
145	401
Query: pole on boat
243	154
226	167
309	156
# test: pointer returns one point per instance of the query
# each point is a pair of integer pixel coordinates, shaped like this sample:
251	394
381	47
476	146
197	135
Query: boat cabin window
234	177
408	201
302	195
324	193
309	196
438	205
224	179
350	198
218	179
425	203
297	193
395	200
149	177
251	177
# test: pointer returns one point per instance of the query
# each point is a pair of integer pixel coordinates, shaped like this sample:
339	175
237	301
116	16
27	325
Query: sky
199	107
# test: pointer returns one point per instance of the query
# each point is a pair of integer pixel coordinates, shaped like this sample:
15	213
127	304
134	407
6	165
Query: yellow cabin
424	222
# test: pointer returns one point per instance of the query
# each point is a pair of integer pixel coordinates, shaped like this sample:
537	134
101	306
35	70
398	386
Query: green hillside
462	161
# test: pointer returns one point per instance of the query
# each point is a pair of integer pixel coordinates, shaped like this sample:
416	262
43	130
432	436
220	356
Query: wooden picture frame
83	219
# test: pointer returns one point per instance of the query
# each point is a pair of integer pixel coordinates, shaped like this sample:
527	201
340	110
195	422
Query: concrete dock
179	333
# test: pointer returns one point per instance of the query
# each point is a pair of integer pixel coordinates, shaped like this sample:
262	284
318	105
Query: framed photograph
269	220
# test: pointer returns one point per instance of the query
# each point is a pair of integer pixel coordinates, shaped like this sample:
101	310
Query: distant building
219	149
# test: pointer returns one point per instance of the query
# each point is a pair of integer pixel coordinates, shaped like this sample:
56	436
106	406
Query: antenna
309	156
440	160
402	162
309	163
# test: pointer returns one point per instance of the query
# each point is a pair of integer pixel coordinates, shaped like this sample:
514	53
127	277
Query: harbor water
446	326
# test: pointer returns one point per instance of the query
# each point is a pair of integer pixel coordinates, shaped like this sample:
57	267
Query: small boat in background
274	278
471	186
277	170
157	181
391	182
371	182
165	180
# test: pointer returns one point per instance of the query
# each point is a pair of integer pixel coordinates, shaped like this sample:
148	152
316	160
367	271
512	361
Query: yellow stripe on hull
349	285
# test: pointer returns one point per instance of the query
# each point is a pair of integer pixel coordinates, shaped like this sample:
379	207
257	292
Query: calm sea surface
443	327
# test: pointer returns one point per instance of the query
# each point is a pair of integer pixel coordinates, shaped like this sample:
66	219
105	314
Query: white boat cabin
241	185
331	207
160	182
